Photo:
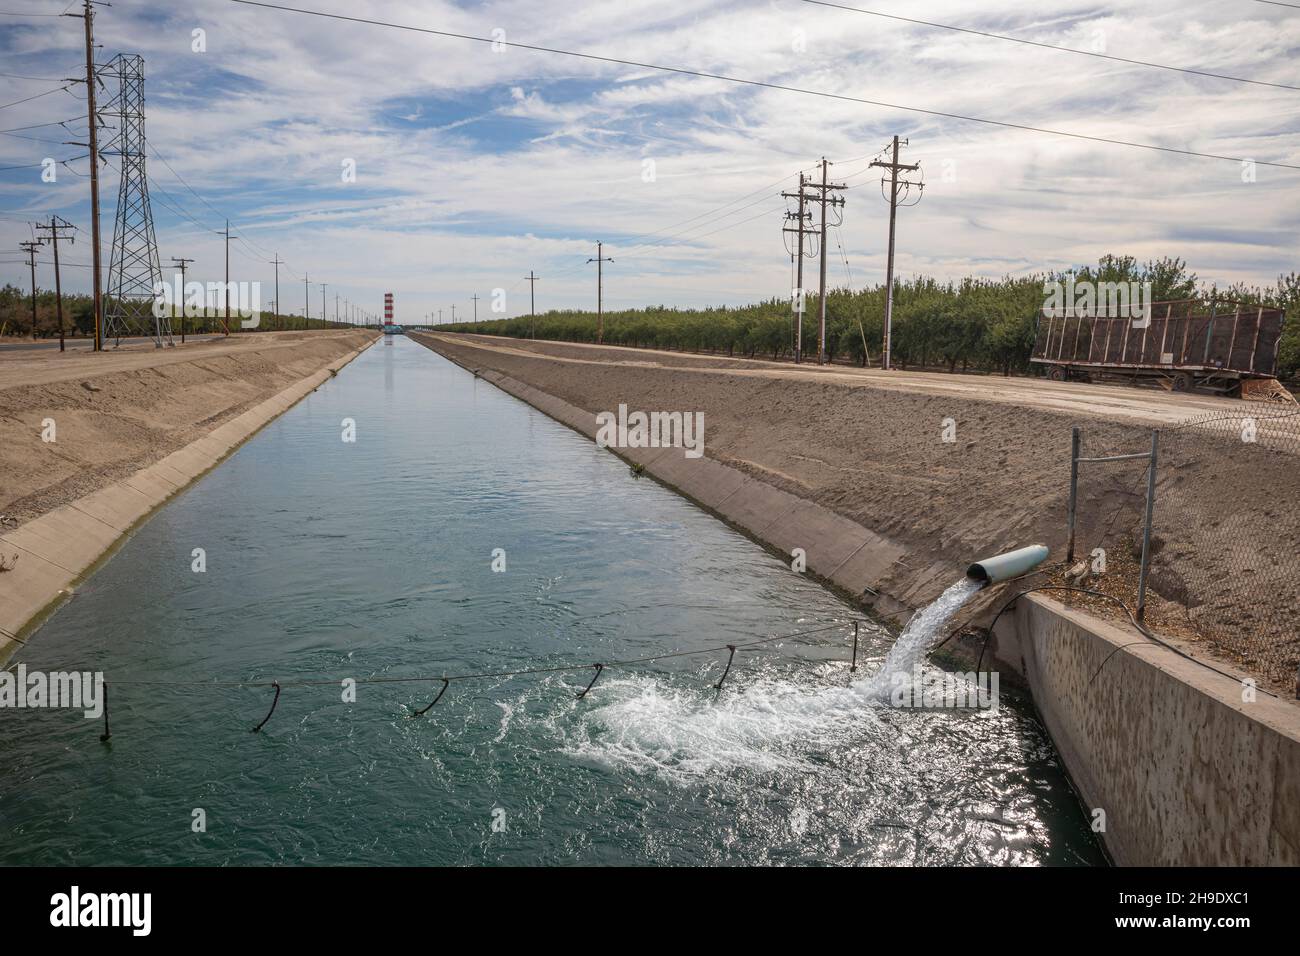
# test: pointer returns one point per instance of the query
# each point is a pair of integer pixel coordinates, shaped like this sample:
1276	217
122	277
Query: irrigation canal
327	559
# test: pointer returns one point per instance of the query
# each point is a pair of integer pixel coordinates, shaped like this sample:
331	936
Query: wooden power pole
800	299
532	302
225	323
600	261
826	199
894	167
30	248
277	262
182	264
56	223
92	122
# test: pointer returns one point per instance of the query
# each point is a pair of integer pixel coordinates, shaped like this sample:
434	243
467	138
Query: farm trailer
1218	346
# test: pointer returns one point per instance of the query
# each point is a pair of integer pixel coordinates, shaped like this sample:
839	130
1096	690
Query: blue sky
475	166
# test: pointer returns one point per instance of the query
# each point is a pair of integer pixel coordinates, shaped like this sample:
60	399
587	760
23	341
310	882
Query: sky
476	164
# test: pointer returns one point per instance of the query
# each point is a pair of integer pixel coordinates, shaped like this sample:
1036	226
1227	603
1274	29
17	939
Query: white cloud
474	167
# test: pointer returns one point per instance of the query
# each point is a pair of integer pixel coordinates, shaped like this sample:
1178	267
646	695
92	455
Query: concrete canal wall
1184	770
1187	772
50	554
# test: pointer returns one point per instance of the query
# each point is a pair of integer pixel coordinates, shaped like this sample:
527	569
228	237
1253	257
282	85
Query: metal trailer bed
1189	343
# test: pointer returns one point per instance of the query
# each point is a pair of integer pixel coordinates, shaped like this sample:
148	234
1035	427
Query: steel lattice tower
134	268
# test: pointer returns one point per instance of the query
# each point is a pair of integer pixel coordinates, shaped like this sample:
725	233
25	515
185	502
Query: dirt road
116	412
1112	402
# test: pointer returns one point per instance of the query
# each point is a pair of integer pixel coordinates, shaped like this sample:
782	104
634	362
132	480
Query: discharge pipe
1010	565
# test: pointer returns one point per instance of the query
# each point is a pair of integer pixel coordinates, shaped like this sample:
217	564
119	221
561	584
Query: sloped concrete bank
60	548
838	551
1185	772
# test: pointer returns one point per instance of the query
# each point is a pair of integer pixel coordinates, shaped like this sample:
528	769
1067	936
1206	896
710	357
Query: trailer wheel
1183	382
1057	373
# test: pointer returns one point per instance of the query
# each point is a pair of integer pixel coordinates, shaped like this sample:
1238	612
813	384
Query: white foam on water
643	724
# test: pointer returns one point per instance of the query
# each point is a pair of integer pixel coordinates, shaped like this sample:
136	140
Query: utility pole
306	303
30	248
800	299
277	262
181	264
826	199
323	316
453	313
56	223
336	308
894	168
92	123
225	293
532	303
475	298
600	260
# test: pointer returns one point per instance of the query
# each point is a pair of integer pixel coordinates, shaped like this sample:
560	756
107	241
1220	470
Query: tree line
973	324
79	320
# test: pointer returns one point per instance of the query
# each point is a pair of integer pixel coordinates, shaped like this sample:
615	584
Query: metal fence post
1146	529
1074	488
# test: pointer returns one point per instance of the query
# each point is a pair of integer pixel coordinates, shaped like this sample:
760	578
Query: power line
23	76
1051	46
28	99
60	162
771	86
240	238
13	129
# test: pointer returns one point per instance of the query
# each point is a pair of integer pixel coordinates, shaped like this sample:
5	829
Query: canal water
328	559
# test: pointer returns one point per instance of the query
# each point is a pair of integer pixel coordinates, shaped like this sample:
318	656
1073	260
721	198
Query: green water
328	559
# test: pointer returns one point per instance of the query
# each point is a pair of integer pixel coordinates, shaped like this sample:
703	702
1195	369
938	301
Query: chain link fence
1226	535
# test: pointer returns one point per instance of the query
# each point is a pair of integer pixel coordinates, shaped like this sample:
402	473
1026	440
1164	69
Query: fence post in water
1146	527
107	733
1074	488
730	658
596	677
854	665
274	702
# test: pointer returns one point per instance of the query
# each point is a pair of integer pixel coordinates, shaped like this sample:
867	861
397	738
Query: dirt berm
118	412
952	468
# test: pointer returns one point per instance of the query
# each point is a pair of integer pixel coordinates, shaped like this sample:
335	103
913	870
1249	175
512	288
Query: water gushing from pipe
922	632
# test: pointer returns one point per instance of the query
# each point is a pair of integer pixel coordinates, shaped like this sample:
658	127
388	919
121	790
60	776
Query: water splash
643	724
646	725
923	631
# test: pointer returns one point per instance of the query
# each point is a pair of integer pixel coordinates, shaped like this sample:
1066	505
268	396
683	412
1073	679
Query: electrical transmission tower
895	200
134	268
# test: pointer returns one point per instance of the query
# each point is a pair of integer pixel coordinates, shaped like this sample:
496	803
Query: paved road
47	344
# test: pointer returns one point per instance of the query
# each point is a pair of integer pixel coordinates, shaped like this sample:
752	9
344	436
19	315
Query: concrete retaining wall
1188	773
58	549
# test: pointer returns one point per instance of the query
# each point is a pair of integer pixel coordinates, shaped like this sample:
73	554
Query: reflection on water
373	558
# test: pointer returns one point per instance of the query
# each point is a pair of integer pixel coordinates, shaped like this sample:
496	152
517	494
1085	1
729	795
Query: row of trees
974	324
78	316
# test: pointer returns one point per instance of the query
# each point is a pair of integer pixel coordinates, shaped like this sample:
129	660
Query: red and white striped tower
388	308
